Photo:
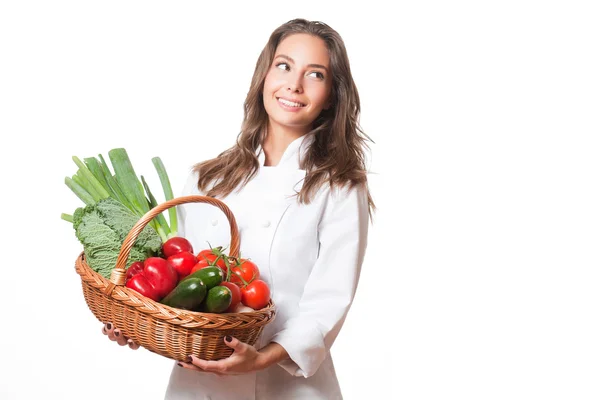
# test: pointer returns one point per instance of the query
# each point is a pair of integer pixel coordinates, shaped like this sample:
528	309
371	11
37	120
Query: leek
166	185
128	181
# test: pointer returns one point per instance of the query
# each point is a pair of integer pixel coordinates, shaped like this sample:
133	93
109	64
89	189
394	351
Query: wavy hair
335	156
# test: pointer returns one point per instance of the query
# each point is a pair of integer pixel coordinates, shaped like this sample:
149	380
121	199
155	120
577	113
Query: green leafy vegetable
128	180
162	222
102	229
79	191
114	204
166	185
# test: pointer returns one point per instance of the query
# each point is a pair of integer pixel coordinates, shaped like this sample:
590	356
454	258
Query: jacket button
266	224
214	222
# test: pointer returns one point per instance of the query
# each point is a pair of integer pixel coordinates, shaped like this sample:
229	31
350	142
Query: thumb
235	344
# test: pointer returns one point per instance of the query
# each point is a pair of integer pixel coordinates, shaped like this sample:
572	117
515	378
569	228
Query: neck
277	140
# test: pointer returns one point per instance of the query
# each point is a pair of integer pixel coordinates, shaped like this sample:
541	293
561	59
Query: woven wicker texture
168	331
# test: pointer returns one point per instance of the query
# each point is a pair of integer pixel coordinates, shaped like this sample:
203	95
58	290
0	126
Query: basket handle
118	275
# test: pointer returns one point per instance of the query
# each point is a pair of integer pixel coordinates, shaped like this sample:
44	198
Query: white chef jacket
309	255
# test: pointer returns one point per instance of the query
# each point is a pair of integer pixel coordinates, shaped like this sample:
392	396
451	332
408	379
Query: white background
481	279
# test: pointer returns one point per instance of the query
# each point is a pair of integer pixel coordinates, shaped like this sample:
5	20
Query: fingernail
188	359
228	338
180	364
109	326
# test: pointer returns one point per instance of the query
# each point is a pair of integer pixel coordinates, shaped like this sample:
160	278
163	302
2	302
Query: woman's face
298	84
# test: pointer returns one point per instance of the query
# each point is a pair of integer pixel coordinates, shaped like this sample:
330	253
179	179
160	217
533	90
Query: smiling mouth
290	103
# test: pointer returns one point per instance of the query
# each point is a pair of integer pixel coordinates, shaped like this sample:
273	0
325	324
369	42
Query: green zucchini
187	295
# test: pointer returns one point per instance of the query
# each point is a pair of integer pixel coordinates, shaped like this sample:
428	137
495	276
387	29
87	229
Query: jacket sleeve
329	291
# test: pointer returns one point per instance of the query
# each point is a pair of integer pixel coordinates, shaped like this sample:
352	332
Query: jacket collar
292	155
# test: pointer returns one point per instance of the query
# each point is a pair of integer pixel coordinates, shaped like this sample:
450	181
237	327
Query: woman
296	182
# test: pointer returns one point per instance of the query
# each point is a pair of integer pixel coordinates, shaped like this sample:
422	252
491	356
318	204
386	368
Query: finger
210	366
119	337
109	331
235	344
106	328
132	345
189	366
198	369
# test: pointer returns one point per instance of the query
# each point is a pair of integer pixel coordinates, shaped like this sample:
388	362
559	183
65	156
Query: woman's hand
116	336
245	359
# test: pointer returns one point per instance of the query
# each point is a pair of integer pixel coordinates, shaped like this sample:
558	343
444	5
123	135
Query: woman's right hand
115	335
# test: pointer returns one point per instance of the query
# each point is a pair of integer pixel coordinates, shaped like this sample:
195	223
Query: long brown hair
336	155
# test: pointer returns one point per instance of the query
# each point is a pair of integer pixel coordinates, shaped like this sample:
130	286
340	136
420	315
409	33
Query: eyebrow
290	59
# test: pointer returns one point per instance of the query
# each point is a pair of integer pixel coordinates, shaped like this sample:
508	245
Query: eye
287	68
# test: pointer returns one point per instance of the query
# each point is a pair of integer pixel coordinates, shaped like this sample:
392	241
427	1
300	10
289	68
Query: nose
295	85
295	88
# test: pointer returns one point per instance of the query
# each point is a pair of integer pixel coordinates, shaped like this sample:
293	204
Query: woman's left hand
245	359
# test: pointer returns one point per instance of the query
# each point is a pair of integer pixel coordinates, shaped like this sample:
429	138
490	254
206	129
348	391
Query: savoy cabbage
102	228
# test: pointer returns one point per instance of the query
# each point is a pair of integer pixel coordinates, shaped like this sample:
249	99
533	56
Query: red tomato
208	256
199	265
246	272
236	295
256	295
211	257
208	253
176	245
182	263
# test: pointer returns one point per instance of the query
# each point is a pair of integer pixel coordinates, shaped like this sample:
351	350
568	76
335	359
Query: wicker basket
168	331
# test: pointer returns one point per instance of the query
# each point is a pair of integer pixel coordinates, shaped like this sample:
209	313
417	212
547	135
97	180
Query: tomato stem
228	269
243	280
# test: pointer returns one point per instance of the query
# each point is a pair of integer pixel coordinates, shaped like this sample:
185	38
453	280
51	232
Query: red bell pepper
134	269
156	280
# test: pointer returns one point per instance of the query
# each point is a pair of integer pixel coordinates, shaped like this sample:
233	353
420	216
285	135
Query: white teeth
289	103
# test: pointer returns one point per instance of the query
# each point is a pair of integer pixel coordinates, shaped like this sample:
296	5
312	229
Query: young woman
296	182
